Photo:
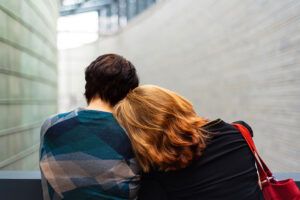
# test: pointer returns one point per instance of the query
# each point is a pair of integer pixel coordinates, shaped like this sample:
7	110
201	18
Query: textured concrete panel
233	59
28	78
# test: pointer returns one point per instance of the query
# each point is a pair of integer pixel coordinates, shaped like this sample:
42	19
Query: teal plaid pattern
85	154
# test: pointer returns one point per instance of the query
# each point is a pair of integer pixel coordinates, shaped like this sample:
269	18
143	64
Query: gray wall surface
28	78
235	60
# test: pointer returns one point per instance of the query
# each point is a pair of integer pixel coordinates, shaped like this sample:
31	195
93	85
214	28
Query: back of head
163	127
110	77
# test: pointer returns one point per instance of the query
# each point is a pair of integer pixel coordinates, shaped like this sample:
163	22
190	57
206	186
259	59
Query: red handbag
272	189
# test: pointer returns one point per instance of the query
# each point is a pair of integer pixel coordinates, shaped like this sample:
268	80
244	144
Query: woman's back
225	171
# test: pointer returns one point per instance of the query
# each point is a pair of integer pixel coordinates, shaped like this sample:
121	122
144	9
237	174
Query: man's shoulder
56	119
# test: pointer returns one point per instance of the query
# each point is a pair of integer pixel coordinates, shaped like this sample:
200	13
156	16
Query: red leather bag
272	189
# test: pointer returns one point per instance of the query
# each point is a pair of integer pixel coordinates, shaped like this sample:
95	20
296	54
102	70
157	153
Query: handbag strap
264	172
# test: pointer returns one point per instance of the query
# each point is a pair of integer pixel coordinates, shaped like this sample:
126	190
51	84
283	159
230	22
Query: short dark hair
110	77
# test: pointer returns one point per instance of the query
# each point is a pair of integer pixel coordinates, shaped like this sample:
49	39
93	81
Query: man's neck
100	105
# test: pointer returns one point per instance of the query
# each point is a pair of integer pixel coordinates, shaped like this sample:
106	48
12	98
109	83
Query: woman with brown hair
182	155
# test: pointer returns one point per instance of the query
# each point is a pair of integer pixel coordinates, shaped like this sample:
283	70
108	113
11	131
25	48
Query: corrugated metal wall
28	78
233	59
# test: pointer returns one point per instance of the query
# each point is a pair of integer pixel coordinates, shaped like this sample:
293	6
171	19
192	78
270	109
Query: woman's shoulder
245	125
220	126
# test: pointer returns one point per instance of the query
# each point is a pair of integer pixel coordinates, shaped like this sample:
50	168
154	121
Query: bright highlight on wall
76	30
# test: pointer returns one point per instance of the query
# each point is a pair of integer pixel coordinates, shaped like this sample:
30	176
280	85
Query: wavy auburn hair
163	128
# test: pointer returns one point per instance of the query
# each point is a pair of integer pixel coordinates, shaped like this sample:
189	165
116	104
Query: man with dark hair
85	154
109	78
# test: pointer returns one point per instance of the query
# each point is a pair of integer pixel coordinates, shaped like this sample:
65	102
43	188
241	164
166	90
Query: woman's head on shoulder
163	127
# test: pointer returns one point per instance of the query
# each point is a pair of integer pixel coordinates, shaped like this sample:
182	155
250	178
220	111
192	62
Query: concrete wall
28	78
233	59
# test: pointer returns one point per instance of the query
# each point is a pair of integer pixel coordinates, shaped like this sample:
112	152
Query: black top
225	171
